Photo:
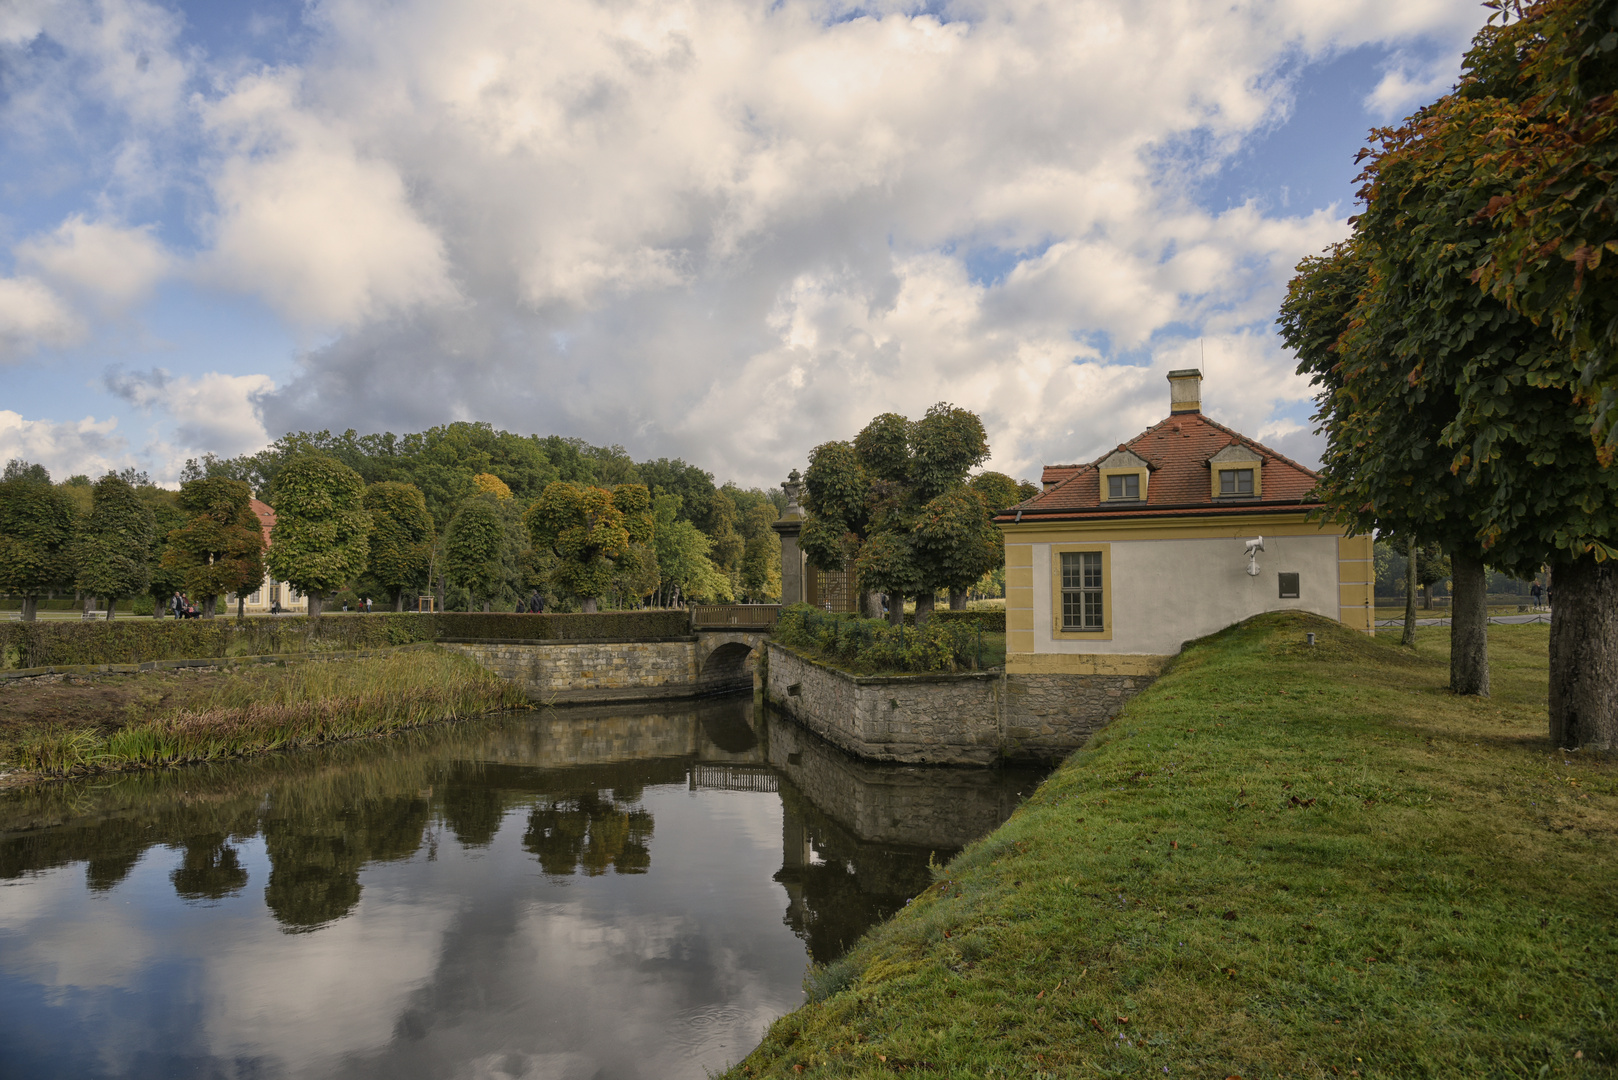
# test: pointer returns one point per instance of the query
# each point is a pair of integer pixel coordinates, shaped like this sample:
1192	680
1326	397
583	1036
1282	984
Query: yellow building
271	595
1182	531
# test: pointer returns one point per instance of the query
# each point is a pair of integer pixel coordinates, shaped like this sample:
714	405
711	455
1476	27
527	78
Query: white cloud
88	446
324	232
31	315
213	411
114	264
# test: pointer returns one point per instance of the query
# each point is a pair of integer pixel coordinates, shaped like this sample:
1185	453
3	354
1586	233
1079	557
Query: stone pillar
789	526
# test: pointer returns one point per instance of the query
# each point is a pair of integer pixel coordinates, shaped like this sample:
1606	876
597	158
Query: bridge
727	635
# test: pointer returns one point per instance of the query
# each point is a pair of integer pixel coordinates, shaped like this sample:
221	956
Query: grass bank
165	719
1277	862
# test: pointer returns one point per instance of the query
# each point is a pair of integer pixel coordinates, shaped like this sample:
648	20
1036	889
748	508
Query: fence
737	616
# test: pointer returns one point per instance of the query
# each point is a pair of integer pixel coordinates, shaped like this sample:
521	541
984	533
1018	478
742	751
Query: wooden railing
733	616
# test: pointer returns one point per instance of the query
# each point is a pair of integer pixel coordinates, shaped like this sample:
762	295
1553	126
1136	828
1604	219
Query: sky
725	230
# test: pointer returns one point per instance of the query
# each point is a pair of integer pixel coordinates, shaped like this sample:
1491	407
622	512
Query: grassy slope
1440	904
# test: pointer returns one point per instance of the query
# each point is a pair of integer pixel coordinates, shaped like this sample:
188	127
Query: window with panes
1126	486
1081	591
1236	482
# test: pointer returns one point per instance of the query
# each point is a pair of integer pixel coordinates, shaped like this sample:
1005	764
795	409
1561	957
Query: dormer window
1235	481
1123	486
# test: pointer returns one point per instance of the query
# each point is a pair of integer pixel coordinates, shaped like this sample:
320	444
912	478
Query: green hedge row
623	625
134	641
55	643
870	645
993	620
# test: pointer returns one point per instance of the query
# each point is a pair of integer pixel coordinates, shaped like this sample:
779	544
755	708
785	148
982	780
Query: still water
624	892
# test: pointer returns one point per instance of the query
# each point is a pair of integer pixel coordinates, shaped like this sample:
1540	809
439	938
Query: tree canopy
586	529
320	540
400	543
220	548
113	550
36	536
472	547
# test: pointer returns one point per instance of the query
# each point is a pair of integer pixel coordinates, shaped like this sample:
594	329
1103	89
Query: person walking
536	603
1535	592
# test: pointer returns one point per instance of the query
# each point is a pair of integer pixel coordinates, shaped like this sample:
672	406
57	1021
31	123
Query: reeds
281	708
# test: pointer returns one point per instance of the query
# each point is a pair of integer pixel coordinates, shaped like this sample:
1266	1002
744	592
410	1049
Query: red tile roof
1177	451
266	518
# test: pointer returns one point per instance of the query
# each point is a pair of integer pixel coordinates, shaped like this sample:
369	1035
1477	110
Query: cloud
115	265
213	411
31	316
88	446
324	232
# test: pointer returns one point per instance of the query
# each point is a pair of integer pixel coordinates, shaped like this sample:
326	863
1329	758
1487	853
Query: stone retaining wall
963	719
580	672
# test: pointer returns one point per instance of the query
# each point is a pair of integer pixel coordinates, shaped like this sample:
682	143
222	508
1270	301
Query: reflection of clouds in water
69	938
308	999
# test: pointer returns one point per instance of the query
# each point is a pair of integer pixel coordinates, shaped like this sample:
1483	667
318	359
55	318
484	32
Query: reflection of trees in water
210	869
587	832
316	855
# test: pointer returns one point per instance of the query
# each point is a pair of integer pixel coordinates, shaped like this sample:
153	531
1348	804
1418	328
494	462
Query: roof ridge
1238	436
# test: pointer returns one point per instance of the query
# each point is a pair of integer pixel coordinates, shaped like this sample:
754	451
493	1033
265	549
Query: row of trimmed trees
1463	338
897	503
331	530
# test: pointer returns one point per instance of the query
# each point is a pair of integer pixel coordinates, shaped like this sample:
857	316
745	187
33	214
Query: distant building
270	592
1117	563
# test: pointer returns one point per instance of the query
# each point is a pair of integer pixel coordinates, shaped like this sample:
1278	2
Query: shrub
134	641
873	645
610	625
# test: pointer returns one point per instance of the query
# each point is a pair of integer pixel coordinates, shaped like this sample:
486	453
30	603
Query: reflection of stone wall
914	806
582	672
946	719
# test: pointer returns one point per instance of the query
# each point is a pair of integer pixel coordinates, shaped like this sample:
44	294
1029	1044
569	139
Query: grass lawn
1277	862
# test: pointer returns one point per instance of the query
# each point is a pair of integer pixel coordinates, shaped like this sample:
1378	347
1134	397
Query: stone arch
724	666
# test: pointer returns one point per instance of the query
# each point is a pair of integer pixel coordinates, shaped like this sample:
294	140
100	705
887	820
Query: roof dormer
1124	475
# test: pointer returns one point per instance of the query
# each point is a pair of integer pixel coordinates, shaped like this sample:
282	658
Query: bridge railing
734	616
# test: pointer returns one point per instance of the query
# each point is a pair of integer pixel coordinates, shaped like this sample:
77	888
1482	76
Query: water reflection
589	892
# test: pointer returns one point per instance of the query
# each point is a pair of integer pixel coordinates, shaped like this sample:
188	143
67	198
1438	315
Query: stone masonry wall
946	719
578	672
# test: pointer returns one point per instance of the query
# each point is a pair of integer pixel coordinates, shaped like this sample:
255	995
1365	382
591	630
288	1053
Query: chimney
1185	391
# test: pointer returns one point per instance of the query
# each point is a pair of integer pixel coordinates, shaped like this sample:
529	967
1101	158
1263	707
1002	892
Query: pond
611	892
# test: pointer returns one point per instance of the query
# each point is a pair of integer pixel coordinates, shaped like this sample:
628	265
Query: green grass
1278	861
276	708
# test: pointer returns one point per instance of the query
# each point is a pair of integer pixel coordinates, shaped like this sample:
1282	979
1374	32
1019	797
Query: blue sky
727	231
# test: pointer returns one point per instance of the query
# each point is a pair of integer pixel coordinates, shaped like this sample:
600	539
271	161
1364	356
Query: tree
1463	203
319	542
998	491
220	548
472	548
36	536
113	550
682	556
18	469
400	543
586	528
895	502
167	517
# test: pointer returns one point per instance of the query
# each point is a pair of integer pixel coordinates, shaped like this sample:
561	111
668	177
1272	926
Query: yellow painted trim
1218	467
1020	577
1127	470
1058	631
1086	664
1019	641
1355	572
1019	619
1020	536
1019	555
1357	618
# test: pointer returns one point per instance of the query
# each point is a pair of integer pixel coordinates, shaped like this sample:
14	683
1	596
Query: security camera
1253	548
1255	545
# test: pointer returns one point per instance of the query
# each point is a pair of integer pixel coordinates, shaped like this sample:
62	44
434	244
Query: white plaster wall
1167	592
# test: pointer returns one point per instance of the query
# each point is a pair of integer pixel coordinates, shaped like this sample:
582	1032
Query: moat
606	892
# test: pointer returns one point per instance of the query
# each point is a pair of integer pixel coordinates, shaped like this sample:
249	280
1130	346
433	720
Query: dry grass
262	709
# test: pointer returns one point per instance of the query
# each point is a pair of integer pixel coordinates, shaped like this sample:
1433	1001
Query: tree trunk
957	599
589	605
1584	656
1469	627
89	605
896	610
208	603
112	605
440	598
1426	598
1409	637
241	607
314	605
924	609
870	605
486	607
30	608
398	601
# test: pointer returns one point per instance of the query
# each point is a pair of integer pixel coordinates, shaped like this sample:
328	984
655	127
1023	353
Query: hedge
618	625
133	641
55	643
868	645
993	620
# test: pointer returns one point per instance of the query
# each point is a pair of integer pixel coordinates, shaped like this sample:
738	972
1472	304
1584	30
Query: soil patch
102	702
